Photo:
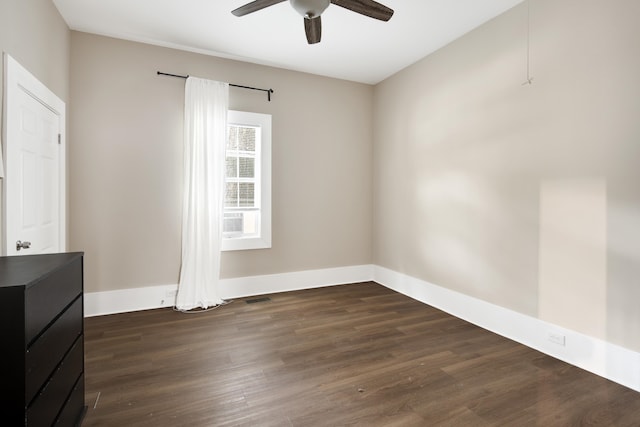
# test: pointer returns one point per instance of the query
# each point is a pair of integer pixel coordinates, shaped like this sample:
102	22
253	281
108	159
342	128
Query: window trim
263	241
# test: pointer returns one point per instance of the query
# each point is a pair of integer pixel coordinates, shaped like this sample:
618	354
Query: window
247	203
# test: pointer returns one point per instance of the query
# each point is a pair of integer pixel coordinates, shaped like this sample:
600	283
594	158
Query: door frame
18	78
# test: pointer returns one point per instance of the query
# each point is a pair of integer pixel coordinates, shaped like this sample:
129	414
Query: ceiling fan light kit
312	9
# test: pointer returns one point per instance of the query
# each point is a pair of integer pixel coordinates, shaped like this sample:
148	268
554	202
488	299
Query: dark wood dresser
42	340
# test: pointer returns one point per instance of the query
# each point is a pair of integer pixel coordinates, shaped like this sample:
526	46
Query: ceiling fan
312	9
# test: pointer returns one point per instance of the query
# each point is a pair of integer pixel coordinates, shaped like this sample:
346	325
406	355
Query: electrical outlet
557	338
171	294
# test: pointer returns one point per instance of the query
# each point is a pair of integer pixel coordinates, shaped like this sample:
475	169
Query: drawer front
47	404
45	353
74	408
47	298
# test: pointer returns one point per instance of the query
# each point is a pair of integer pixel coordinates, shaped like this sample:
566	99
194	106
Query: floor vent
255	300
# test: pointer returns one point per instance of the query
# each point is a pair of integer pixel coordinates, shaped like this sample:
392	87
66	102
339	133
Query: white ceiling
353	47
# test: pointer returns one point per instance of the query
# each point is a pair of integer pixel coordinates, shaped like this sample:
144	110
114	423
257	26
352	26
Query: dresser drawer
45	353
45	299
74	408
53	396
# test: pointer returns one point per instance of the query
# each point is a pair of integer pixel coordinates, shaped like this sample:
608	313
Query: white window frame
263	240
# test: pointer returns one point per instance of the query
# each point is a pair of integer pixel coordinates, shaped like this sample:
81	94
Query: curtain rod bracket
269	91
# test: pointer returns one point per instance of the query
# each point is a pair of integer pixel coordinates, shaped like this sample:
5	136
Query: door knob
22	245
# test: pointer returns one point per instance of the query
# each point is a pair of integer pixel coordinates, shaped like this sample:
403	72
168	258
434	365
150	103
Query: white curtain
1	160
205	130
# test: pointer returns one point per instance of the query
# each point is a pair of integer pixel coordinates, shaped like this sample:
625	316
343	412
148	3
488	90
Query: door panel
34	172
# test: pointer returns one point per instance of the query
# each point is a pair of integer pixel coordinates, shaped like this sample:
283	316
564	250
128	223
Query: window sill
247	243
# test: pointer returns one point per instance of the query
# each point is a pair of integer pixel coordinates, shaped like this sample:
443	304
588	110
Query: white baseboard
150	297
602	358
125	300
295	281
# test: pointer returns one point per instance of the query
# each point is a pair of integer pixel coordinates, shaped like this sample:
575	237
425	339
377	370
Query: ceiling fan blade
254	6
313	29
368	8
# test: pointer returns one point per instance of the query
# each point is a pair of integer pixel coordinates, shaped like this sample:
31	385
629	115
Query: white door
34	165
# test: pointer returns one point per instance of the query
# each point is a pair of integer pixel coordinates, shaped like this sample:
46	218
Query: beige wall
523	196
126	163
34	34
475	178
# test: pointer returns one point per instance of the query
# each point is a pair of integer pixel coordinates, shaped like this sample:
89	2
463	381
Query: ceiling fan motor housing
310	8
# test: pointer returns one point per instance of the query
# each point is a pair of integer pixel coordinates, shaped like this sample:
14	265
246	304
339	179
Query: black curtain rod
269	91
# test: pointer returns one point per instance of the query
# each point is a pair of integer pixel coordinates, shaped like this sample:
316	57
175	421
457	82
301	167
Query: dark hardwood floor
356	355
